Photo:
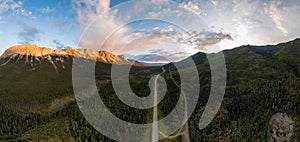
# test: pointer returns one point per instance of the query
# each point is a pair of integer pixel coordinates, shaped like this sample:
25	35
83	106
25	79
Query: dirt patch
281	126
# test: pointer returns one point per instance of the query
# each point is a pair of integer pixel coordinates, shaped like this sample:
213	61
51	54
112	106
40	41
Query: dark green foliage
261	81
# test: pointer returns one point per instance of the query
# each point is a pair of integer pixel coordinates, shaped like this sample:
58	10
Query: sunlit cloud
203	39
234	23
254	22
276	16
159	56
88	11
197	40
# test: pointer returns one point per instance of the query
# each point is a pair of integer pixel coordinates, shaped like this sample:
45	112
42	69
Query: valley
262	81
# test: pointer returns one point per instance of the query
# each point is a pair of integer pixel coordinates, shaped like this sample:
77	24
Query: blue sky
50	20
40	22
60	23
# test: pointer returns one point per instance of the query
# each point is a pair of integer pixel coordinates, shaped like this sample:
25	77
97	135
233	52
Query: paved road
184	131
155	130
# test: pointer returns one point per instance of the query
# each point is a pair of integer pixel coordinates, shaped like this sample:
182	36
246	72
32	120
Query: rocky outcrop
29	50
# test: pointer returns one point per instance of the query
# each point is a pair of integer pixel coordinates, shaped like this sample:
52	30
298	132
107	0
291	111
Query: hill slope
262	81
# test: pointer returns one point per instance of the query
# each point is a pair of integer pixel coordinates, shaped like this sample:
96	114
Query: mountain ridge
269	84
31	50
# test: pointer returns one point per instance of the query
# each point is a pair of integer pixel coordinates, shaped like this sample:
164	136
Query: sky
61	24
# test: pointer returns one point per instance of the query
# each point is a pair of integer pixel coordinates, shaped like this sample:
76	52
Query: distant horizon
273	44
164	62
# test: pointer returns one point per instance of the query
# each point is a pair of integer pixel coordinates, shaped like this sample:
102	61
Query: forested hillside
37	102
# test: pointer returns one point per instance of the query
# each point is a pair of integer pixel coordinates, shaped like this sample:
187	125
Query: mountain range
37	101
32	53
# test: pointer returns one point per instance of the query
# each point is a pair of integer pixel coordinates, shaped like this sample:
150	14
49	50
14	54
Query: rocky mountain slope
32	54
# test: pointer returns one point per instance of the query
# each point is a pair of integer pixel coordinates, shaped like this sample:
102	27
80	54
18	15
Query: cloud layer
254	22
233	23
28	34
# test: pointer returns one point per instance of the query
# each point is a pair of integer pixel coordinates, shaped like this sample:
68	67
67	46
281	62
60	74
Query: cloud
159	56
47	9
88	11
60	45
198	40
255	22
151	58
163	11
16	7
276	15
154	14
28	34
2	20
158	1
248	22
6	5
203	39
158	51
169	43
174	56
22	11
192	7
214	2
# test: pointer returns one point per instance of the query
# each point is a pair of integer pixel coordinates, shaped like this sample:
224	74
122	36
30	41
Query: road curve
155	130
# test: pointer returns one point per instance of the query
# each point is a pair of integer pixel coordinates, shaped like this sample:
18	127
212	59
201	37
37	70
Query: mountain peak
31	50
26	49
